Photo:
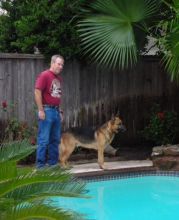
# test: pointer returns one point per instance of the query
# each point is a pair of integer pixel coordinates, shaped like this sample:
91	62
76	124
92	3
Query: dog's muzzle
122	128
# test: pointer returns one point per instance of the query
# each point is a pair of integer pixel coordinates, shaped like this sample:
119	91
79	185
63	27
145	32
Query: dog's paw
69	166
101	166
63	165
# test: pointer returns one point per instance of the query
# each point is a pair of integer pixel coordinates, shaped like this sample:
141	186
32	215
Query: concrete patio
111	166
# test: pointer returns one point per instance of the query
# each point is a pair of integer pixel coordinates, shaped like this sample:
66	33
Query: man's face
57	66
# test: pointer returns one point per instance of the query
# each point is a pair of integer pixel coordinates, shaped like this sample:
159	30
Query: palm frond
172	66
108	34
26	193
171	50
49	175
5	205
8	170
40	211
176	7
15	150
138	10
41	191
106	48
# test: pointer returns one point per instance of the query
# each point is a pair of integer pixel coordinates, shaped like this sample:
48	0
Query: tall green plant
109	29
26	193
169	40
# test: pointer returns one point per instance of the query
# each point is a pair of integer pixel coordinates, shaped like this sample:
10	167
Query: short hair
54	57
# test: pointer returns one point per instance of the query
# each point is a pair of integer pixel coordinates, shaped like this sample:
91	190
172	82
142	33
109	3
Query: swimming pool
140	197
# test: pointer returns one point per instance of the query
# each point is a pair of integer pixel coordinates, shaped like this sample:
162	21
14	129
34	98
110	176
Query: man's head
57	63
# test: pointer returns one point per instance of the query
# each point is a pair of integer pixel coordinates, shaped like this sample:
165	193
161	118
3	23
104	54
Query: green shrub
163	127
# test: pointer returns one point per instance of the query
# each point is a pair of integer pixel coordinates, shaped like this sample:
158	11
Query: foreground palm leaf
15	151
40	211
108	30
26	193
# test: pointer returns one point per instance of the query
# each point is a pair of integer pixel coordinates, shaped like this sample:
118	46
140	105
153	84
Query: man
48	99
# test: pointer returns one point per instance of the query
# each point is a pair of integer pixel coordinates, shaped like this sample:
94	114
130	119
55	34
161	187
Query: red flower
32	140
4	104
161	115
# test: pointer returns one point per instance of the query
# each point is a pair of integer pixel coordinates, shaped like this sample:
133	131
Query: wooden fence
90	94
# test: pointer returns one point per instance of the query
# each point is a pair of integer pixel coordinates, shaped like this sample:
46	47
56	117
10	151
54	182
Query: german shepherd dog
102	137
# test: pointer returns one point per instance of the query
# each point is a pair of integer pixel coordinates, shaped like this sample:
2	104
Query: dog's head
116	124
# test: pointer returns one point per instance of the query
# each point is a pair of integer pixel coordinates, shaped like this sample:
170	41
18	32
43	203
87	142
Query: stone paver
93	167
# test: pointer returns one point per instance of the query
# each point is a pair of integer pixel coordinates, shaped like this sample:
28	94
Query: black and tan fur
101	138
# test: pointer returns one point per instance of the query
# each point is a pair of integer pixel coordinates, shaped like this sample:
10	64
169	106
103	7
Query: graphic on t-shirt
56	89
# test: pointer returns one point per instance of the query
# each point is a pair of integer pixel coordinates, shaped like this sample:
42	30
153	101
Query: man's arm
38	100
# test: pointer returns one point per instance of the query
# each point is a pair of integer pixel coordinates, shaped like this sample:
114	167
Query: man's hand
61	116
41	114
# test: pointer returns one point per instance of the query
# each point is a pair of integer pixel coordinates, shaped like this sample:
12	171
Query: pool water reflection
137	198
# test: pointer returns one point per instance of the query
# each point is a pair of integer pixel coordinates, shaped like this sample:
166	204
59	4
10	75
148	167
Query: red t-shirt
50	85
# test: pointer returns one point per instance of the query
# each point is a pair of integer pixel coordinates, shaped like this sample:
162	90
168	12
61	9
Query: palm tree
111	31
169	40
27	193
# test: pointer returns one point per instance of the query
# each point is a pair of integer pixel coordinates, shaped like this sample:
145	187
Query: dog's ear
112	117
117	113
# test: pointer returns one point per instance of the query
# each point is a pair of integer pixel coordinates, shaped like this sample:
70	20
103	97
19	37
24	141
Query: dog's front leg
101	156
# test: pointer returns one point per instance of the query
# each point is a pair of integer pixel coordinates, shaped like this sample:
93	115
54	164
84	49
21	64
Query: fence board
91	94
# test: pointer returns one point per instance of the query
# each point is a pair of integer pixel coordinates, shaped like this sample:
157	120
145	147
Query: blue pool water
138	198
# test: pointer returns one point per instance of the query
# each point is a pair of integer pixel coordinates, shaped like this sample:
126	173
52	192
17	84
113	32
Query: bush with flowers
13	129
163	127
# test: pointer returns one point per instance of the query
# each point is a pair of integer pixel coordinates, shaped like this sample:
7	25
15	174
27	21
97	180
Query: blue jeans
48	139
